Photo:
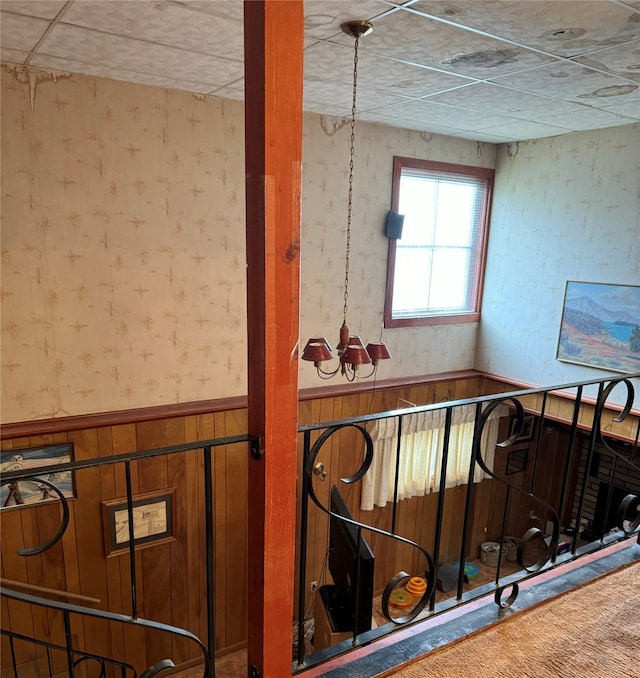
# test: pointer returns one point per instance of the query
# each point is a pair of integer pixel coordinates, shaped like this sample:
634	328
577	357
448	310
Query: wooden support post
273	36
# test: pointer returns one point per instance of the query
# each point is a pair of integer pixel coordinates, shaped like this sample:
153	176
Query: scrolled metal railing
533	533
74	658
545	538
315	438
398	577
77	657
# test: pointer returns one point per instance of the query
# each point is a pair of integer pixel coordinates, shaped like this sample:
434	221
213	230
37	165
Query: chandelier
352	354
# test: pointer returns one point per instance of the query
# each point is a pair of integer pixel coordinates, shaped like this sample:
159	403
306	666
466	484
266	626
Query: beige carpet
589	632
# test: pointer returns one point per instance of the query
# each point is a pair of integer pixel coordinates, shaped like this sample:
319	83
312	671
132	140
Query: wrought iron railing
79	660
537	549
317	438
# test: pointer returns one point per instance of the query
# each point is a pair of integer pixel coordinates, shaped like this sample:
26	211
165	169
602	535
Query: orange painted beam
273	32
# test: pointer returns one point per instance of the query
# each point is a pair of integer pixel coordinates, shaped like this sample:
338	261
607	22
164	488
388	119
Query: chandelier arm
350	374
366	376
328	375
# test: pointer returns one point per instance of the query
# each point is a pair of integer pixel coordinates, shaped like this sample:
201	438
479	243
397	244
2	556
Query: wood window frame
484	173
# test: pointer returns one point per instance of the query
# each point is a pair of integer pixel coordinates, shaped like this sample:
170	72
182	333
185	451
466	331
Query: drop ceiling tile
45	9
414	108
411	123
468	80
21	32
340	96
330	62
588	118
407	80
484	137
450	116
335	99
162	22
622	60
57	64
450	49
127	54
630	109
322	108
13	56
231	12
322	18
233	90
223	9
561	28
572	82
521	131
493	98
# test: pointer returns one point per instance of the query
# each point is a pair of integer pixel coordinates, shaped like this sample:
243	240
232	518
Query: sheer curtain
421	453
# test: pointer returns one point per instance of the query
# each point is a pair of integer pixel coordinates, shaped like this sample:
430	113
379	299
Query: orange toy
400	598
416	586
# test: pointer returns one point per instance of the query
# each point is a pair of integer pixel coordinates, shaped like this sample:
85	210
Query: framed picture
517	461
601	326
33	491
153	520
528	428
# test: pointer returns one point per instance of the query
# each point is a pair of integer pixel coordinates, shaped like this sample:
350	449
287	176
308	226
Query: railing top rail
467	401
126	456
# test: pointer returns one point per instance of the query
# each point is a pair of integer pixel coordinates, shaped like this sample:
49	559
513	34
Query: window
435	270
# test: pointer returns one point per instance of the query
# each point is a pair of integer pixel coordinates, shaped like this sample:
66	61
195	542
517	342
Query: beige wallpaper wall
564	208
123	263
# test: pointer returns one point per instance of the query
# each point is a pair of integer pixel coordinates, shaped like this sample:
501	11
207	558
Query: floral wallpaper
123	245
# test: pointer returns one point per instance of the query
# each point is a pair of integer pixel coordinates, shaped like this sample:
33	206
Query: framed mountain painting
601	326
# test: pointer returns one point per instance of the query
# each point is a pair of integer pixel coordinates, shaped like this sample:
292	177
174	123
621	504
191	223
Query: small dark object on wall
393	226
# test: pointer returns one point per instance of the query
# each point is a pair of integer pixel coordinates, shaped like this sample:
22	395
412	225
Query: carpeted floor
590	632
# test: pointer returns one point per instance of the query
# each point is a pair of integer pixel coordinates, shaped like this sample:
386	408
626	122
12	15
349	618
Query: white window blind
421	453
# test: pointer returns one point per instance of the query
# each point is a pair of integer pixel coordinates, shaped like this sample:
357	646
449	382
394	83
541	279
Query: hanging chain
350	198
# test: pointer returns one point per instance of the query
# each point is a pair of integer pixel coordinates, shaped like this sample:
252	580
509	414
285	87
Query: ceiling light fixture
351	351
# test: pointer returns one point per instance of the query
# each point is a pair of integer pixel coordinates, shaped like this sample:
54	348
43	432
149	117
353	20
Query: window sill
432	320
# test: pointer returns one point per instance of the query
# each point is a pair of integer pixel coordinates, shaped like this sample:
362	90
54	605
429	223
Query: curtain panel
421	453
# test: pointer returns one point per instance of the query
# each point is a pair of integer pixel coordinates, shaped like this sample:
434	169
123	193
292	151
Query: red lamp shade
355	341
356	355
378	351
317	350
320	340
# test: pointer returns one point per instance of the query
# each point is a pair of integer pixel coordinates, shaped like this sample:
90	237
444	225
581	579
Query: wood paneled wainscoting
171	571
